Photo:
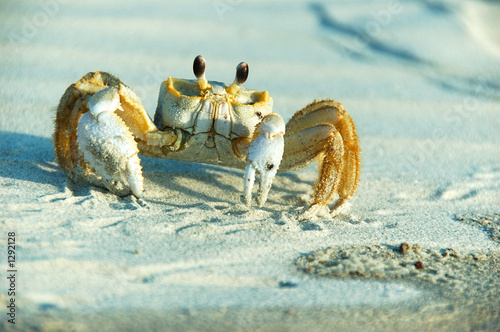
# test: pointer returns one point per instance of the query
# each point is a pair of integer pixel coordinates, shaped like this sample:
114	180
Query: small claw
249	181
134	176
264	156
108	146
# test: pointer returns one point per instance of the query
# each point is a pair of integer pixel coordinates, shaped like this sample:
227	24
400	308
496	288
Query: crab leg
323	129
264	156
305	146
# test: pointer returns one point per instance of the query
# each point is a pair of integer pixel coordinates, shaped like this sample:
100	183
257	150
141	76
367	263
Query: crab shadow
197	181
210	183
29	158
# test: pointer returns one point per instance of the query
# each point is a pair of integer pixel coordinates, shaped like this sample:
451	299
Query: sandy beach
417	248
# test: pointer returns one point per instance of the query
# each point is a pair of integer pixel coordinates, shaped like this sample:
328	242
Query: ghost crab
101	126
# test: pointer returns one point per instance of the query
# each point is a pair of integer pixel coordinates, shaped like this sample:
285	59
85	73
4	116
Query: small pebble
419	265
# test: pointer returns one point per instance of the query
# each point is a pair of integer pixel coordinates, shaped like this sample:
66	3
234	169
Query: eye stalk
242	73
241	77
199	66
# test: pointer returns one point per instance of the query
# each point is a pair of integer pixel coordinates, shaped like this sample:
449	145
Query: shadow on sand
31	158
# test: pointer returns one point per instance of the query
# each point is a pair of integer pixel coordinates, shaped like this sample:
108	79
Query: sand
420	80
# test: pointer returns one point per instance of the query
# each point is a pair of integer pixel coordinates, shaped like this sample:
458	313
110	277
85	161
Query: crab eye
199	66
242	72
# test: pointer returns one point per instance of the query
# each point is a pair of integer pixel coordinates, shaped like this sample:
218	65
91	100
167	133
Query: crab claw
108	146
264	156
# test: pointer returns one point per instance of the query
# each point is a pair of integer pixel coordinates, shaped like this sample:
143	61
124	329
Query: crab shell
220	124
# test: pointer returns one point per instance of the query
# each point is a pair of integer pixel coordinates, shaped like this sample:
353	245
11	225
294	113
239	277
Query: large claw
264	156
108	146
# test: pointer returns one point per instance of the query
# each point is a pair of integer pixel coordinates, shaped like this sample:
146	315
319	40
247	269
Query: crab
101	126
